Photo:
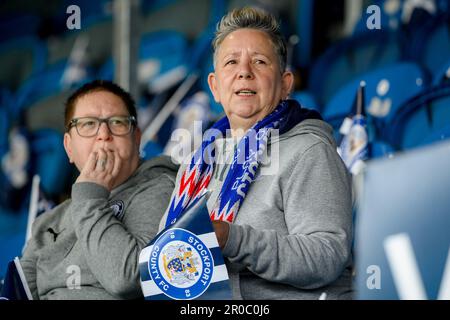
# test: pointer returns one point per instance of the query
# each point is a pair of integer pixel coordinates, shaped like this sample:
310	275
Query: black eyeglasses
88	126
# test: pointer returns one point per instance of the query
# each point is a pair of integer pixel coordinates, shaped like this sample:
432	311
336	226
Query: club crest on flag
355	144
182	264
184	261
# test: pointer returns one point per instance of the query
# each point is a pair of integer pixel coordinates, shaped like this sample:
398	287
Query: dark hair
96	86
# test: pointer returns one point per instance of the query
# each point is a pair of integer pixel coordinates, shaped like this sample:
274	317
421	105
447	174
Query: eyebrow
237	54
111	116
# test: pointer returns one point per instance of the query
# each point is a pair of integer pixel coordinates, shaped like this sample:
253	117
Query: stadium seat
431	43
351	58
423	117
168	15
4	128
20	58
443	74
48	154
380	149
18	25
40	97
386	90
5	118
306	99
437	135
48	160
98	33
162	61
11	245
151	149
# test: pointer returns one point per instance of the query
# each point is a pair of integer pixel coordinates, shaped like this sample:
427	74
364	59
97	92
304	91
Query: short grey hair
252	18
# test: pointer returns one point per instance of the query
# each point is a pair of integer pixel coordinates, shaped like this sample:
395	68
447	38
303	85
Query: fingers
91	162
101	162
110	161
117	166
102	167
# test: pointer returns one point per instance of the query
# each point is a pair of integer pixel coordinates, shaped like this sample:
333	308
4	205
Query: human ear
68	146
287	82
212	83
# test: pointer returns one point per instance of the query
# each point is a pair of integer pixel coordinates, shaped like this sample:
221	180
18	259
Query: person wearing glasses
87	247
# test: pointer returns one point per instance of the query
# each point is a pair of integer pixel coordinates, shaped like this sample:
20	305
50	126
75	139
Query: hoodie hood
301	120
148	170
312	126
160	163
316	127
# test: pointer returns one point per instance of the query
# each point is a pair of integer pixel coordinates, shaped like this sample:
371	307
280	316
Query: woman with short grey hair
279	194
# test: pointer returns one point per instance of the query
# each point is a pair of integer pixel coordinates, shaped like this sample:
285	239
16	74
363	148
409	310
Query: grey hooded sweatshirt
292	235
88	246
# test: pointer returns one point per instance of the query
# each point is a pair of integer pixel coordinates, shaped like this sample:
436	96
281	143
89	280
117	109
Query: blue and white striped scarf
246	160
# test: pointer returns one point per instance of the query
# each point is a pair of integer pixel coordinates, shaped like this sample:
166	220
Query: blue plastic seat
5	118
50	162
11	245
437	135
306	99
162	60
40	100
97	31
351	58
151	150
443	74
20	58
18	25
386	90
154	5
421	117
431	43
380	149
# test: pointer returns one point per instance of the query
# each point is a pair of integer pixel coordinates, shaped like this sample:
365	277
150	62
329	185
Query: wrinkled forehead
99	103
250	40
246	38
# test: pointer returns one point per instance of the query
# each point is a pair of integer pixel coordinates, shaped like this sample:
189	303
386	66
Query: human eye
87	123
230	61
260	61
119	121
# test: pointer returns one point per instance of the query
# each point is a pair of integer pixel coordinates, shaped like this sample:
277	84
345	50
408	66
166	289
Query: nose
103	132
245	71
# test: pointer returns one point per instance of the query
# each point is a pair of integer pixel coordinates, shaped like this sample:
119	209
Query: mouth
245	92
